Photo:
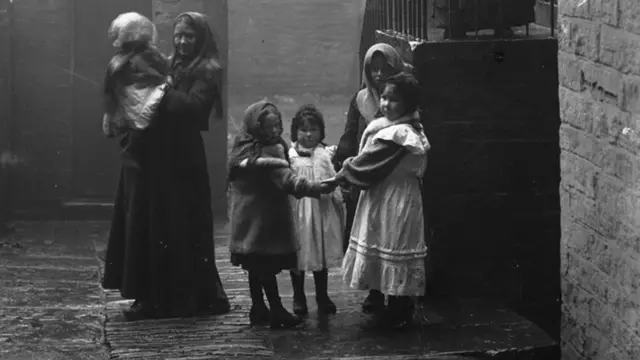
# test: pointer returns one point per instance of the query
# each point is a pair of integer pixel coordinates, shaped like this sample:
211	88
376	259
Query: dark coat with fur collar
262	233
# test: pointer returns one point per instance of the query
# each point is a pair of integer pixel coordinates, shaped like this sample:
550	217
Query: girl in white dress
319	223
387	247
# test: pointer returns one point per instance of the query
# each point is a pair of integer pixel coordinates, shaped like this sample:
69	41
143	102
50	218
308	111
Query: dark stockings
325	305
321	279
259	313
279	317
299	298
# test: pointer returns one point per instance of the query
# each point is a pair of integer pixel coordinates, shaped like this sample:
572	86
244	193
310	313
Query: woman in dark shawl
161	247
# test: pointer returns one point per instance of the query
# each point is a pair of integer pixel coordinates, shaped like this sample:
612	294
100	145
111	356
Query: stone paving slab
51	305
29	324
49	293
18	259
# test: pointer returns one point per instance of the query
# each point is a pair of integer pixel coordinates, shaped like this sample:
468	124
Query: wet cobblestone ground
51	307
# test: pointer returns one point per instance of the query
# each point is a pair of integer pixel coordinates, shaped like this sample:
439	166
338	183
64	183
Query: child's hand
244	163
327	188
330	181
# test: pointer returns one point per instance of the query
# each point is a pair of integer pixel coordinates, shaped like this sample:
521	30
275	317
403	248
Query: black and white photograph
320	179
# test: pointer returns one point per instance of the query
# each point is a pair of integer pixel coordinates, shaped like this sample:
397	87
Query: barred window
450	20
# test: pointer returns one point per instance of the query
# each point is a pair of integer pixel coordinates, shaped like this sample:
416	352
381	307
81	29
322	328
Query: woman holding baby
161	248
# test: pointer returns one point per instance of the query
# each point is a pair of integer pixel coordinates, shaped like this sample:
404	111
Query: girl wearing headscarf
161	247
262	233
380	62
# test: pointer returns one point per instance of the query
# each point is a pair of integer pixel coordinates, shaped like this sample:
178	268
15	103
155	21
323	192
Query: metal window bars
433	20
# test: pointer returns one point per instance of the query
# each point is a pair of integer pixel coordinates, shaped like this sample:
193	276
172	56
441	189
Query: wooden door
95	158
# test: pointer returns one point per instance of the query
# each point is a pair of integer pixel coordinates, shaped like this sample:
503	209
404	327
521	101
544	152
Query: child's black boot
374	303
279	317
325	305
299	298
259	314
400	312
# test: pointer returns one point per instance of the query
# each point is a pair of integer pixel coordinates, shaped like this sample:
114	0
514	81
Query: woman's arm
348	144
372	166
197	102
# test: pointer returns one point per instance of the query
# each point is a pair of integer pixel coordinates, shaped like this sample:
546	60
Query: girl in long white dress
319	223
387	246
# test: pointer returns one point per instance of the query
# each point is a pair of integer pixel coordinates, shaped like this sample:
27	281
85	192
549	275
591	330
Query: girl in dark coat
262	234
161	249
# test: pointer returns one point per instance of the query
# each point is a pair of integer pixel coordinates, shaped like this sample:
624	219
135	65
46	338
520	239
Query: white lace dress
319	223
387	246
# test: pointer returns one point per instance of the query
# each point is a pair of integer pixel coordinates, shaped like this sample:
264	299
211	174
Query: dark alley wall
5	111
599	92
41	135
289	47
492	117
60	155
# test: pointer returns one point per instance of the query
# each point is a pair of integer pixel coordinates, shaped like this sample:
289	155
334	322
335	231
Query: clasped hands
328	185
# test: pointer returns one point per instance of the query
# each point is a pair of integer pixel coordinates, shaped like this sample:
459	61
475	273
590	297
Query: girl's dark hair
313	115
408	89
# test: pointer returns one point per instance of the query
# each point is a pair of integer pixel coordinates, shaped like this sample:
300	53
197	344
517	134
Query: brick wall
599	61
290	47
491	114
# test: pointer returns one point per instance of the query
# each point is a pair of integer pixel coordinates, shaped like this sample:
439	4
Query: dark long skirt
161	246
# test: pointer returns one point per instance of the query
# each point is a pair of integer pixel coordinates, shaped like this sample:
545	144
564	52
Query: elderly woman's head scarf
368	99
206	47
205	64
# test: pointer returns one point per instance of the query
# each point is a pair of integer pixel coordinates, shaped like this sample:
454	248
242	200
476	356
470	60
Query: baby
136	77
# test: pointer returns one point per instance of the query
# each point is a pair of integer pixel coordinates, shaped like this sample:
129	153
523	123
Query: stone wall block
620	49
605	11
629	11
570	70
609	121
576	109
603	83
575	8
579	142
579	173
580	37
630	94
